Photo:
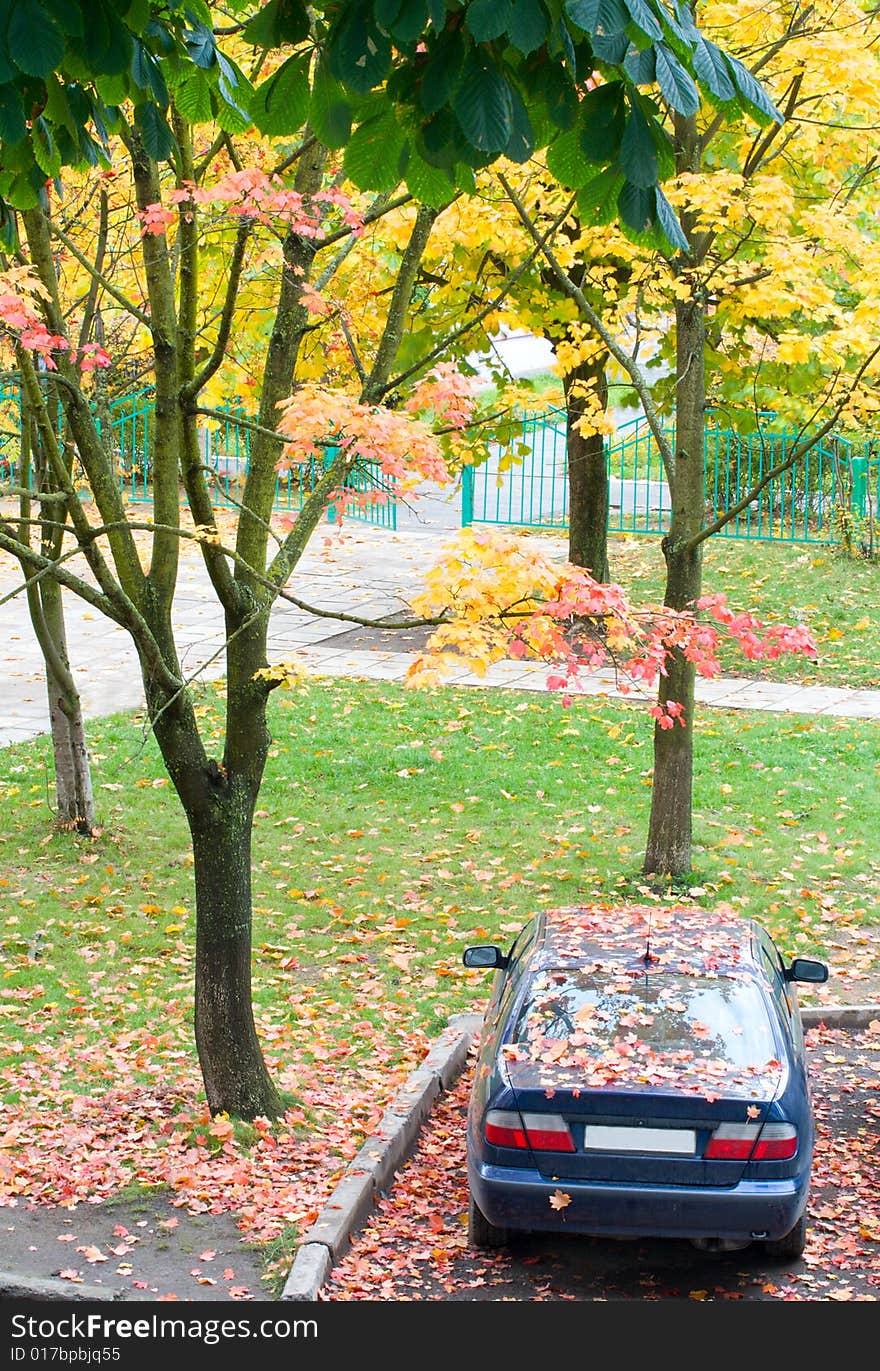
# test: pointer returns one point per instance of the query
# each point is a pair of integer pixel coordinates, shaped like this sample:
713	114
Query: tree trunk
668	849
73	779
218	799
236	1079
587	475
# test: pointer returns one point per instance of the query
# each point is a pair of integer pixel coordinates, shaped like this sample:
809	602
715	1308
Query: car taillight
542	1132
504	1128
751	1142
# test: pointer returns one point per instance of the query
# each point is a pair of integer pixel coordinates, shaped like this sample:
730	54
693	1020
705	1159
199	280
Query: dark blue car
642	1074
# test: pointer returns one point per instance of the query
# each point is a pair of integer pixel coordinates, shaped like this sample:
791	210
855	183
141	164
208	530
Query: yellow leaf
559	1200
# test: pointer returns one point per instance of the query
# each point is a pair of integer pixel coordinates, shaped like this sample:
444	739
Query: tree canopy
421	90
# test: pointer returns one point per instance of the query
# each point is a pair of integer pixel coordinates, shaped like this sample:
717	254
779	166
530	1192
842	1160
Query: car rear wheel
791	1245
482	1233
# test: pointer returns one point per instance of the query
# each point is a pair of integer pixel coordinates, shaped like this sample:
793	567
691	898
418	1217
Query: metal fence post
859	486
467	496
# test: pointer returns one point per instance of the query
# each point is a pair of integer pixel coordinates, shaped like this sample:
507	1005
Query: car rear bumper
520	1200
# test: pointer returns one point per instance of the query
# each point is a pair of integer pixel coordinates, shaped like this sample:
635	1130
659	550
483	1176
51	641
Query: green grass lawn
397	826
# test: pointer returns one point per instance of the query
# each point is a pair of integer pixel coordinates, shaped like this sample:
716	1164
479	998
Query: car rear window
620	1025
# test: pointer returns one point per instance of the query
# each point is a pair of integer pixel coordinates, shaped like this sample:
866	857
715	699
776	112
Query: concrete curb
372	1171
16	1287
840	1015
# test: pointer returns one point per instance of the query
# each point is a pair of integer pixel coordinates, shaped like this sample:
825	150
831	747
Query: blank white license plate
602	1138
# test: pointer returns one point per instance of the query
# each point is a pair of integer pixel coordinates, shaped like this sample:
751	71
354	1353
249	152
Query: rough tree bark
74	800
587	474
668	851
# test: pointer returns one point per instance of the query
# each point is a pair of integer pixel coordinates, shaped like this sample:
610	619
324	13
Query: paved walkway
367	571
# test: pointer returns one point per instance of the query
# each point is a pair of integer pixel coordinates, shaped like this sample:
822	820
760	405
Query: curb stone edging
840	1015
372	1170
16	1287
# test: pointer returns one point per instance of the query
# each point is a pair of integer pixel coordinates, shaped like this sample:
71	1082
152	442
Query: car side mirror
806	969
484	957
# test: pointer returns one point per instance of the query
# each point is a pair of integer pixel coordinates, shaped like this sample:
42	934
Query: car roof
681	938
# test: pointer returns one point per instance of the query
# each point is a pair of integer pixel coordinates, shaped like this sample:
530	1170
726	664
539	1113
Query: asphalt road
415	1247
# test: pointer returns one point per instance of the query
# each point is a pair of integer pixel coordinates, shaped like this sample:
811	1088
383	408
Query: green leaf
12	121
358	52
563	105
156	135
609	16
711	69
235	89
441	141
46	154
58	109
667	221
281	103
611	47
441	73
106	48
426	184
676	86
756	99
566	161
200	45
330	112
641	67
638	155
411	21
232	118
136	14
521	143
644	18
281	21
386	12
193	97
636	206
527	27
601	122
597	200
113	89
68	17
373	153
487	19
147	74
33	39
483	105
22	192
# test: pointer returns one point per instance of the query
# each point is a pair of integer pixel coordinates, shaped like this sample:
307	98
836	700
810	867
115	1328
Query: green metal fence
839	477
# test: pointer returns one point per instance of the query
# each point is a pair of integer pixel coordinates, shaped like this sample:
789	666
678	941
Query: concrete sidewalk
360	570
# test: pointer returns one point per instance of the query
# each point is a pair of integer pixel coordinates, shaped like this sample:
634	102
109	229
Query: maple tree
219	796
